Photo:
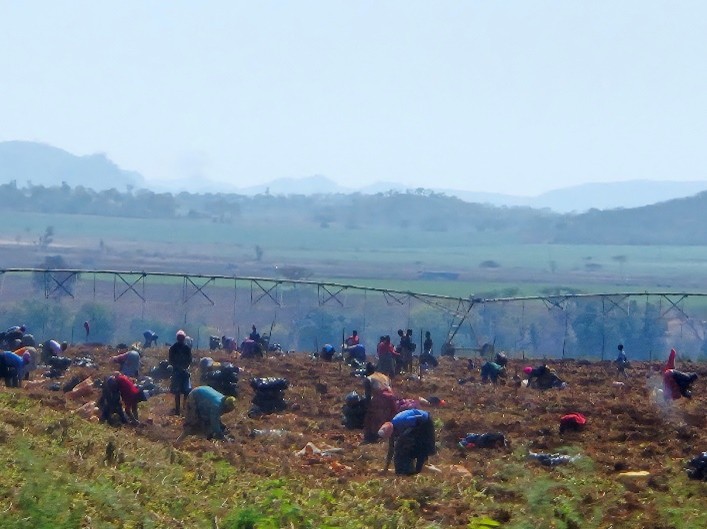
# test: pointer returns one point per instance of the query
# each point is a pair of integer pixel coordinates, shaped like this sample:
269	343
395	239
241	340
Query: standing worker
352	340
427	356
386	357
622	361
180	359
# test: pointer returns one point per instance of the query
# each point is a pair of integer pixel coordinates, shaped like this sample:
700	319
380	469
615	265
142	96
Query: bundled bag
60	363
224	380
354	411
269	395
697	467
483	440
269	384
161	371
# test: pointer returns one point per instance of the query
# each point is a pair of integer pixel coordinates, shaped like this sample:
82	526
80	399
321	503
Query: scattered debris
483	440
551	460
697	467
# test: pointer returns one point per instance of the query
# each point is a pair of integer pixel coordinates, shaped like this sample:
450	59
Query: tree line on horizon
674	222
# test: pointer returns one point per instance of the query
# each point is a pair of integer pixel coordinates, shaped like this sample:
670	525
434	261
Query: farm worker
386	357
676	383
32	364
150	338
411	440
131	395
621	361
228	343
381	405
491	371
501	359
427	357
28	340
405	347
109	401
356	354
352	340
544	377
51	348
12	367
252	346
13	333
203	410
327	352
180	359
129	361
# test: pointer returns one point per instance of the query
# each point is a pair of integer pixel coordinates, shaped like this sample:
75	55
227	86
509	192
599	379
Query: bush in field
43	318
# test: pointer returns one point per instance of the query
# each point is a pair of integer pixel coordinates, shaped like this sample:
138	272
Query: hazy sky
506	96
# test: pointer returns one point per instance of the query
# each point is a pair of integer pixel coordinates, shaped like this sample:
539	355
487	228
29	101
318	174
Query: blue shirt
408	418
206	406
13	360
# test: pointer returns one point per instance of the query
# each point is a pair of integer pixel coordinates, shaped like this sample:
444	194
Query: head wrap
229	403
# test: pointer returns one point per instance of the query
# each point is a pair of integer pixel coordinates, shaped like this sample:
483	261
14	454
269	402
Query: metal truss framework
126	283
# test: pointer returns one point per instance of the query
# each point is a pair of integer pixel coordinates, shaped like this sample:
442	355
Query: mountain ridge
42	164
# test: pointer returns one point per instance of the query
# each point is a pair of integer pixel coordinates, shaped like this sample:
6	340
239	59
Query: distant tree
60	284
46	238
44	318
653	331
535	337
293	272
621	259
587	327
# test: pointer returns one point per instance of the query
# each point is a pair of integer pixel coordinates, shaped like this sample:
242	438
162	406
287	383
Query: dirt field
627	430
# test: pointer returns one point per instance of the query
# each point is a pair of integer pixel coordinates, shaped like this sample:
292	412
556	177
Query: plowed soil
628	428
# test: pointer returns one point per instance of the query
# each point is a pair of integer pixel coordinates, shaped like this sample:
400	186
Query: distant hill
612	195
40	164
577	199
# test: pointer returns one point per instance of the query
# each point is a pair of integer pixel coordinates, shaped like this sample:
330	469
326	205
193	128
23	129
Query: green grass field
395	256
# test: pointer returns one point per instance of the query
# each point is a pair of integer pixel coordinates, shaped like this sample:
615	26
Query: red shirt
128	390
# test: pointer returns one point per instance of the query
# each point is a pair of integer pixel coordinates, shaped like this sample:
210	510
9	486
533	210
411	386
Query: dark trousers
413	447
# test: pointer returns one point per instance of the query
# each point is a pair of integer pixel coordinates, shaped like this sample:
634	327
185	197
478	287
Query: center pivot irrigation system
133	284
